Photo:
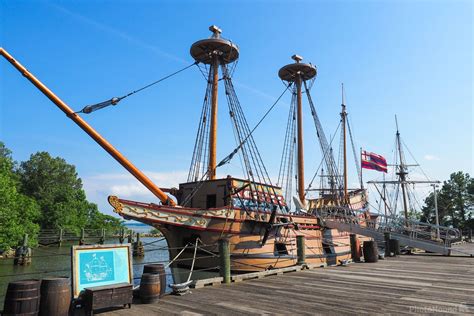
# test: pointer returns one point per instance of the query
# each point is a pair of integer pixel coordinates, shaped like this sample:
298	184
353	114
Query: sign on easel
100	265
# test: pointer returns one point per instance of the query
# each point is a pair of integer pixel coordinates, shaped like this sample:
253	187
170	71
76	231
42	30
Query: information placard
99	265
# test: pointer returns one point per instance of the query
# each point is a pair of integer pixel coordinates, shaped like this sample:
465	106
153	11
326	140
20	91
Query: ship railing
394	224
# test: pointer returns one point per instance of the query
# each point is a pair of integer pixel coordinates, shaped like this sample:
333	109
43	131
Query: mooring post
470	235
300	250
23	253
130	237
355	248
82	239
138	249
102	236
122	235
387	244
224	254
60	237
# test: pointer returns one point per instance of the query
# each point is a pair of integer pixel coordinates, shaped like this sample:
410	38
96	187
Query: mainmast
215	52
213	130
343	123
297	73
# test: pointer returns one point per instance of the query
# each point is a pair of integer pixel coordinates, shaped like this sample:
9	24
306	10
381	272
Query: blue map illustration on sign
96	267
100	266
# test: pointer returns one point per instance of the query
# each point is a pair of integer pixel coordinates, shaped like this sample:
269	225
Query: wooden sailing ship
251	213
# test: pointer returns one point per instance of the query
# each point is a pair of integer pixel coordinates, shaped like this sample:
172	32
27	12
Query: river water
54	261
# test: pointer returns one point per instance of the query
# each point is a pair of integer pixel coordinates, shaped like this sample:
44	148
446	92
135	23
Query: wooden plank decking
421	284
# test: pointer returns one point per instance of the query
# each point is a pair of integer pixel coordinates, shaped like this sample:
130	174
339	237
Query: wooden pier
409	284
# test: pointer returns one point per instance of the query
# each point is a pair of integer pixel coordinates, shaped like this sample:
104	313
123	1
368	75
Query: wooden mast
343	118
402	172
213	127
299	123
298	73
140	176
214	51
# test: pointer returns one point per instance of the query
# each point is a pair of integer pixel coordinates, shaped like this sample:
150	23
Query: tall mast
402	176
299	123
213	127
214	51
297	73
402	171
343	118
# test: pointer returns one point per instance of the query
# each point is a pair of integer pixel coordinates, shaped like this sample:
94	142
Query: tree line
43	192
455	202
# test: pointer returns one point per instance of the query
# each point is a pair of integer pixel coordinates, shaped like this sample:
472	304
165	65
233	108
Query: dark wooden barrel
371	253
55	296
157	269
149	288
356	252
22	298
394	246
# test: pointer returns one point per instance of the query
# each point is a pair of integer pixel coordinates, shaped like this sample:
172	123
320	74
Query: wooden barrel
55	296
157	269
355	248
394	246
149	288
22	298
370	251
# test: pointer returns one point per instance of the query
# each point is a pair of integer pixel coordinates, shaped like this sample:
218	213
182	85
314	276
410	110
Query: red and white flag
373	161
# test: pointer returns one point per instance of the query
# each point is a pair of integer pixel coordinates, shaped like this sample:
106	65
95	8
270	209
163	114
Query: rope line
115	100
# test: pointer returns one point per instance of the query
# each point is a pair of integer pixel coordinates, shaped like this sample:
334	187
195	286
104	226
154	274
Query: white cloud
431	157
98	187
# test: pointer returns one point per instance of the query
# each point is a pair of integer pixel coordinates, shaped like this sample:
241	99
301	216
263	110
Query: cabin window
211	201
280	249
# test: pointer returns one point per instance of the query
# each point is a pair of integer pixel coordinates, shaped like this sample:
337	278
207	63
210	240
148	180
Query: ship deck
408	284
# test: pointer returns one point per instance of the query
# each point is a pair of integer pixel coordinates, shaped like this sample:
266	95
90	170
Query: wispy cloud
108	29
135	41
431	157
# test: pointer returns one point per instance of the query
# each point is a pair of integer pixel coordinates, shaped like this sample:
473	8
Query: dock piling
122	236
82	239
60	237
355	248
300	250
102	236
138	249
23	253
388	253
224	255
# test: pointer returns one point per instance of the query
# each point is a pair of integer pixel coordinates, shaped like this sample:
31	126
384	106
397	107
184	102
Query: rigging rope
91	108
356	160
231	155
322	160
329	158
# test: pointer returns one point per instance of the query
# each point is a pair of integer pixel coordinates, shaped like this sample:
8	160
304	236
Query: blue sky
410	58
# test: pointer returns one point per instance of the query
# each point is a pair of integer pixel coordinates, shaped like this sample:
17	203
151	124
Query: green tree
18	213
455	202
99	220
55	185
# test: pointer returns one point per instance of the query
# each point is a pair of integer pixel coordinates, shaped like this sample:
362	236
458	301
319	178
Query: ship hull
244	230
